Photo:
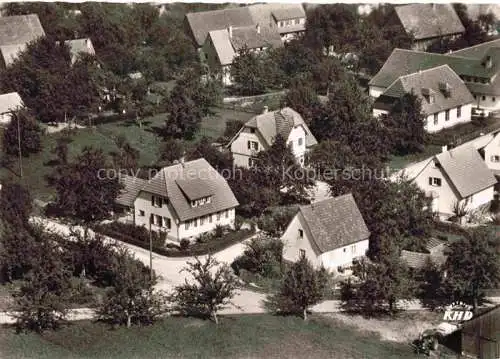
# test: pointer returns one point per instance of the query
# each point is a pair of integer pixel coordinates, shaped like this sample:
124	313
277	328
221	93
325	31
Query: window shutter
160	202
153	200
249	145
430	181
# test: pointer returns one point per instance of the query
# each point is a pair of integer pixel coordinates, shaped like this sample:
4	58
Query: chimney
230	31
257	28
444	148
265	110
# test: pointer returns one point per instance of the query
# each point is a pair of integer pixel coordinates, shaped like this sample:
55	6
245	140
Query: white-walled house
9	102
259	132
330	233
185	200
446	100
456	176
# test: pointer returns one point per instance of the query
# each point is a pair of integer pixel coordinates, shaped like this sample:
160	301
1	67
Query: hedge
452	228
122	232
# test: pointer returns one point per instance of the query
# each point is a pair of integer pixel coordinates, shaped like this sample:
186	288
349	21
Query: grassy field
145	139
397	163
258	336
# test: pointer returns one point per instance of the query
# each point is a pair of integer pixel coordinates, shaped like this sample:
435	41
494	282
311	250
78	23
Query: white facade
165	219
445	197
492	153
376	91
249	142
488	102
297	242
445	119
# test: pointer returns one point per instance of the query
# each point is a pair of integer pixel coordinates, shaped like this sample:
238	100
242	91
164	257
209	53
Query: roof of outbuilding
477	51
172	181
281	122
20	29
131	187
426	21
430	79
10	101
466	170
335	222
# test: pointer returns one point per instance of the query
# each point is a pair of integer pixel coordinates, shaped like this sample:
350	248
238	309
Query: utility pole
19	145
150	248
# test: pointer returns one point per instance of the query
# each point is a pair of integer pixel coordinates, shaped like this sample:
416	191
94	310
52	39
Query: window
194	204
202	221
209	199
302	253
297	21
253	145
493	99
159	220
344	250
252	130
227	213
484	98
166	222
447	115
301	233
459	111
186	226
195	222
495	158
436	118
435	181
156	201
251	162
300	141
210	219
141	213
218	216
353	249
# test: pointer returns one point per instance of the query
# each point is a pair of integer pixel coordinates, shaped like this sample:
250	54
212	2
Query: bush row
139	236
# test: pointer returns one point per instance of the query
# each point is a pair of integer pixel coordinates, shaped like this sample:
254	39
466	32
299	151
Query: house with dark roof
16	32
455	177
221	47
330	233
9	102
477	66
287	20
480	336
446	100
184	200
426	23
260	131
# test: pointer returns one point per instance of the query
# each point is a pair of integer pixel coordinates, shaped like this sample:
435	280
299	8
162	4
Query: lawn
252	336
397	163
145	139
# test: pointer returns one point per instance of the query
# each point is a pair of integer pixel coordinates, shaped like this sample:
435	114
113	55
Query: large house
330	233
9	102
480	336
221	47
478	66
260	131
219	35
426	23
16	32
456	178
446	100
184	200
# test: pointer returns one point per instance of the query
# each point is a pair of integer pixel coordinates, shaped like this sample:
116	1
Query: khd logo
457	312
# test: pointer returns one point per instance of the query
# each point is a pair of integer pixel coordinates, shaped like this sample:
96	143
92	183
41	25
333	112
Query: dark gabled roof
290	12
263	13
430	79
403	62
335	222
478	51
201	23
466	170
425	21
201	173
194	188
21	29
131	187
251	38
272	123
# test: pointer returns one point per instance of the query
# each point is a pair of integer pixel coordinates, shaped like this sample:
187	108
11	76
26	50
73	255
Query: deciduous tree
25	125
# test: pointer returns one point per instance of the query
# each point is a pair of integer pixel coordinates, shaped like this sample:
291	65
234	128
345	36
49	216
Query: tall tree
248	74
24	127
406	123
15	204
304	99
84	190
473	265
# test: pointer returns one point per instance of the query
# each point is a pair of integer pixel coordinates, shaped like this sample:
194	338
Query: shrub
184	244
204	237
263	255
238	222
275	219
219	231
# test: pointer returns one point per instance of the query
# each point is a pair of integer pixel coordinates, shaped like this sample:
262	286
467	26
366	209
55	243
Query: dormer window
201	201
445	88
428	94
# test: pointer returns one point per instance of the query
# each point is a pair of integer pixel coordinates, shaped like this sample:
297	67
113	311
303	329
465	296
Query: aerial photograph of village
249	180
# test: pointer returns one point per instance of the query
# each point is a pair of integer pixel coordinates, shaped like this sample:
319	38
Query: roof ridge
473	46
